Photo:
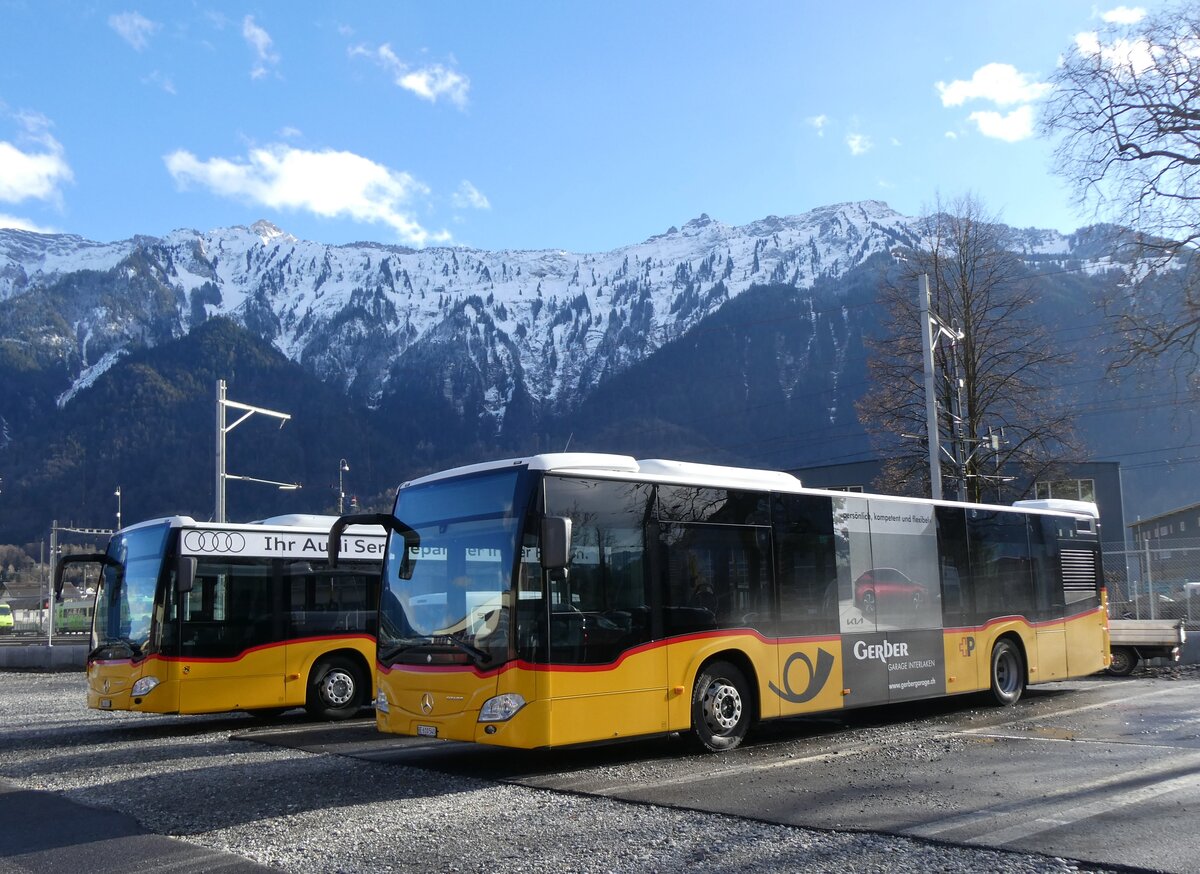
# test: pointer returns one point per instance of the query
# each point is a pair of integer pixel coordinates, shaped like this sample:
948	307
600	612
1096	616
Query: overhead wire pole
222	430
931	420
932	329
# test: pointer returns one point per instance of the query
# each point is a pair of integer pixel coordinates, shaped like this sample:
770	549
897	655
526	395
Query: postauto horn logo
818	676
214	541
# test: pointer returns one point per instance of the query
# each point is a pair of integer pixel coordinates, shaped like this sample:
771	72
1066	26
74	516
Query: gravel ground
301	812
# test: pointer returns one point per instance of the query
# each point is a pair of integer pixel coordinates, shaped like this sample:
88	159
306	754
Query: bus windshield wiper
400	646
474	652
403	645
120	643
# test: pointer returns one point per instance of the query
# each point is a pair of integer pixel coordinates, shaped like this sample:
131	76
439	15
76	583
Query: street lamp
342	468
118	494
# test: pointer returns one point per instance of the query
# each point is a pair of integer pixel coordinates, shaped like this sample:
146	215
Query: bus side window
1043	550
1001	570
718	576
957	601
600	608
806	565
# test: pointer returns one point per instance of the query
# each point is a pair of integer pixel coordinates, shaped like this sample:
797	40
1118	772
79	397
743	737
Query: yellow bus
195	617
578	598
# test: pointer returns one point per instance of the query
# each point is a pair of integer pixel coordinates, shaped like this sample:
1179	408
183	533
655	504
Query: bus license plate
106	704
426	731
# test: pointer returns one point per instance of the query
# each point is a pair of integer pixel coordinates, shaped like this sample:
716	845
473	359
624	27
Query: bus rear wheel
336	689
1008	673
720	708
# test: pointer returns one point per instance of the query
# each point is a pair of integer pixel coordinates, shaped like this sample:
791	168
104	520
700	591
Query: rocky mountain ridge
547	323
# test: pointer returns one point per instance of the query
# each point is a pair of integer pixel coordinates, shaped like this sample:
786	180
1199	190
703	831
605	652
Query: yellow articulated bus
195	617
576	598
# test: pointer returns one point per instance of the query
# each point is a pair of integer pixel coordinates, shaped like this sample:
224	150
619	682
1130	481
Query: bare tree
998	375
1126	103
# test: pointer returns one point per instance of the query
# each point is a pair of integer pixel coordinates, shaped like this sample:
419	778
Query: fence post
1149	583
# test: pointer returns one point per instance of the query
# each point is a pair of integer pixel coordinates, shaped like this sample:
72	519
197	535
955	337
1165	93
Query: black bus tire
336	689
1123	660
1008	673
721	706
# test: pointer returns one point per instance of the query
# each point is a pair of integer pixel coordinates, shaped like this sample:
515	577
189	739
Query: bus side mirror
412	546
185	574
76	558
412	540
556	542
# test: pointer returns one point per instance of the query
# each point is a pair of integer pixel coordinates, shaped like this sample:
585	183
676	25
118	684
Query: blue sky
522	125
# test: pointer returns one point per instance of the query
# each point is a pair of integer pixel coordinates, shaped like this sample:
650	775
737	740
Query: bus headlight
381	702
501	708
144	686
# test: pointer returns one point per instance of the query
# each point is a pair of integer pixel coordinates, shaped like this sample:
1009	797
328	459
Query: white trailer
1131	640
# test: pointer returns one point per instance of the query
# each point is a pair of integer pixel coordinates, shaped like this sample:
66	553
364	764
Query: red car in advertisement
887	589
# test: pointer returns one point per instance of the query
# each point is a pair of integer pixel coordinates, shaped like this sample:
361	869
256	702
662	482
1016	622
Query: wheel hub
722	707
338	688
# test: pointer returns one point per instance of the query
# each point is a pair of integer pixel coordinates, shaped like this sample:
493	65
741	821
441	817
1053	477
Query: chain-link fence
1155	581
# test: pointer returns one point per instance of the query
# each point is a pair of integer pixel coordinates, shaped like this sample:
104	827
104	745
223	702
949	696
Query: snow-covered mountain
546	325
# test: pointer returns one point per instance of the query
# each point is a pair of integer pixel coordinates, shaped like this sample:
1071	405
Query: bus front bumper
524	728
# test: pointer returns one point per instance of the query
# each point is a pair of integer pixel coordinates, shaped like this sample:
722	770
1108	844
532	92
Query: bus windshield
125	597
458	594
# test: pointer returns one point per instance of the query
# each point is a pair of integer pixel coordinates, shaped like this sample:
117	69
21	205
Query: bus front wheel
1008	673
336	689
720	707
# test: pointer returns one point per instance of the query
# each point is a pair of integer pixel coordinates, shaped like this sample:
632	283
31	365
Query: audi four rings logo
214	541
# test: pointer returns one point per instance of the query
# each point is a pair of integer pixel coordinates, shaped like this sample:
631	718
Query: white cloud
951	135
36	174
859	144
1012	128
1124	15
429	83
468	195
1005	86
819	122
134	28
327	183
1002	84
1135	54
264	51
19	224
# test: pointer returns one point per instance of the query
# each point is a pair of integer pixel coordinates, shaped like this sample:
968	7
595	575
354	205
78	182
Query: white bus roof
654	469
716	476
299	521
1061	505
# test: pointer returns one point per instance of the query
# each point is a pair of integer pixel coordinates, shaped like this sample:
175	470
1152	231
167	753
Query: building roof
1161	516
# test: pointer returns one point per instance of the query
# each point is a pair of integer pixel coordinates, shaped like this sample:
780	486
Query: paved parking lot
1101	770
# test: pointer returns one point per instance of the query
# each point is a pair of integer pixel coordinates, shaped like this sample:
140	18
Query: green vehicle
6	619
